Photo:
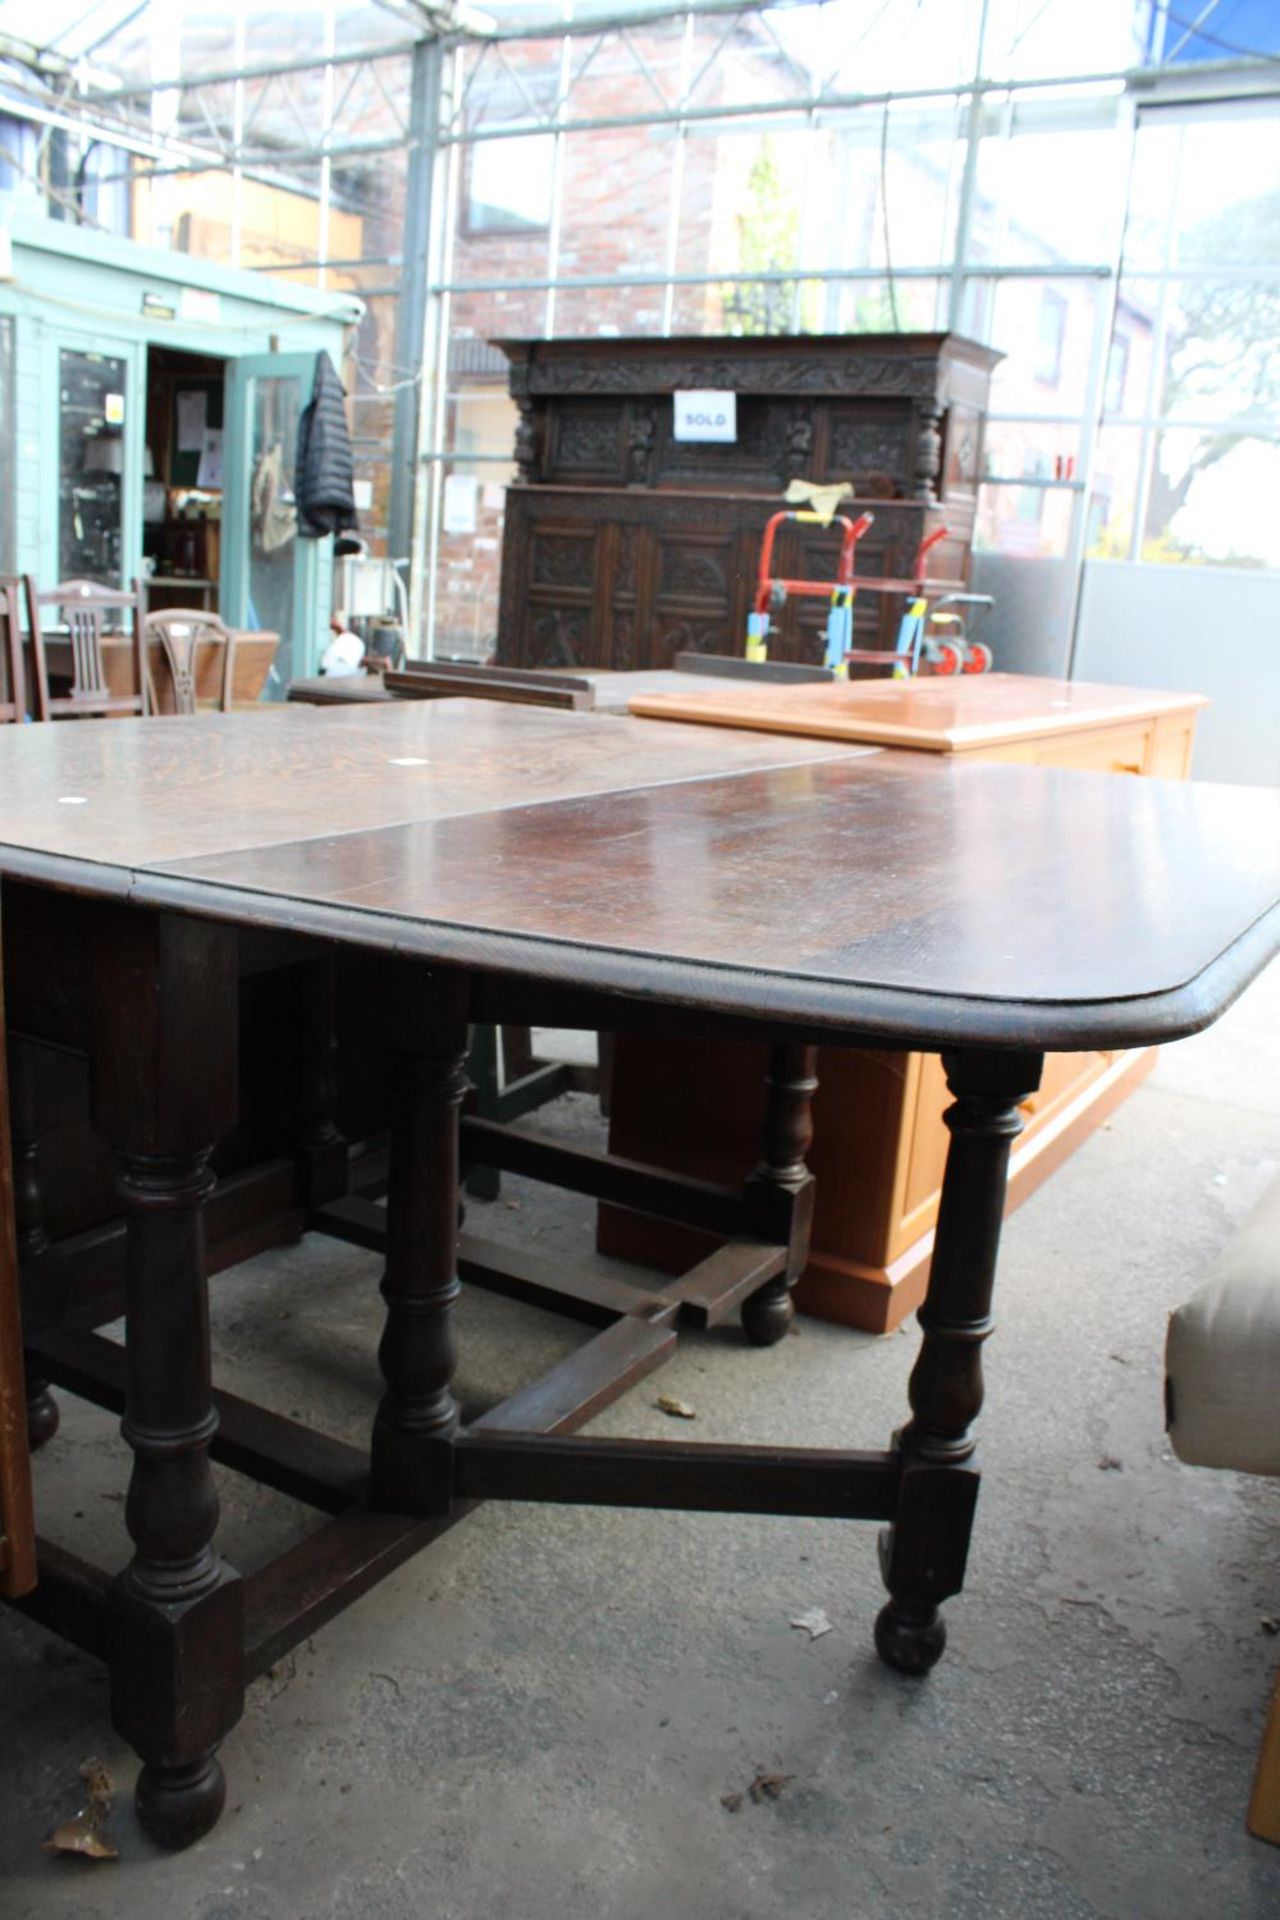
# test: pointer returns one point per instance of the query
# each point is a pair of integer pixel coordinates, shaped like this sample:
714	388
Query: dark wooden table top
338	690
613	690
938	901
134	794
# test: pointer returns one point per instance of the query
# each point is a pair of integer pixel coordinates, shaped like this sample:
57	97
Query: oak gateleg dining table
492	864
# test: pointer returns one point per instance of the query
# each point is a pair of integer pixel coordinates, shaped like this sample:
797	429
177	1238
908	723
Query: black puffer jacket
325	493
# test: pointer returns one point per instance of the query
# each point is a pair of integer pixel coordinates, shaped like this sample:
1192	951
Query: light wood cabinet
879	1140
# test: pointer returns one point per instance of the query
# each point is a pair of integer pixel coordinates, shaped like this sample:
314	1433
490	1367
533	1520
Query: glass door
273	580
8	446
92	519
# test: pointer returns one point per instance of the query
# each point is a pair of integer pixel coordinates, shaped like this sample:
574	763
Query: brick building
641	202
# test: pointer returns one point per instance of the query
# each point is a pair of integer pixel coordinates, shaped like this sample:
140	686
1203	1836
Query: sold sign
704	414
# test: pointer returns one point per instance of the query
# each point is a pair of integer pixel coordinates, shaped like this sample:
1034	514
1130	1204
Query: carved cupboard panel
625	546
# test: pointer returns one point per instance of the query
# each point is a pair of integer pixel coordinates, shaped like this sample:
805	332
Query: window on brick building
1051	334
510	180
509	184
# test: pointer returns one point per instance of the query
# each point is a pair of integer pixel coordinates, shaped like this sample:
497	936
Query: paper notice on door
209	473
461	495
193	418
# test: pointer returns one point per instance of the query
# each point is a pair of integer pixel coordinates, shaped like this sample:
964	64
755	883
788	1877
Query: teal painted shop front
149	406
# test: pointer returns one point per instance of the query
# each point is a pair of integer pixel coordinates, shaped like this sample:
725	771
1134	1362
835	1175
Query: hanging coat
325	480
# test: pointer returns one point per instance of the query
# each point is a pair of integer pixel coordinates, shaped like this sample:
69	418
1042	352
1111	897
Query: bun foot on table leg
767	1315
178	1805
778	1196
910	1639
43	1416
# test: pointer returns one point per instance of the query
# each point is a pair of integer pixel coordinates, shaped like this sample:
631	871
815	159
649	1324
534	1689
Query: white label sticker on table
704	414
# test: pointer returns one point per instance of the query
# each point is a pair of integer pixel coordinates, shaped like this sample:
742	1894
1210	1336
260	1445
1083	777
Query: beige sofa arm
1222	1357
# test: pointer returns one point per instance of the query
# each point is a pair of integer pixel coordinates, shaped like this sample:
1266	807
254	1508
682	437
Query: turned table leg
411	1465
484	1067
321	1148
28	1219
779	1194
163	1094
923	1554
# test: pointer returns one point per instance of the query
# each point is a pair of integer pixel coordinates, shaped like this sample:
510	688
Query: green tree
1224	347
768	242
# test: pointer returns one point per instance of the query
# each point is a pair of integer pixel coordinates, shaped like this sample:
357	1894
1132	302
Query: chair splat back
85	617
89	673
180	634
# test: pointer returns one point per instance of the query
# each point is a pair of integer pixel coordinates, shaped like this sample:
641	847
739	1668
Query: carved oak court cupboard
624	546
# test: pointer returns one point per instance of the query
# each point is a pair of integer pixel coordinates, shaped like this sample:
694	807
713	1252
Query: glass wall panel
1222	348
1028	40
1045	329
760	200
1227	209
744	200
509	184
1193	357
610	311
1046	185
616	218
374	376
1130	350
884	306
644	71
858	46
472	506
751	60
1035	518
1113	502
1153	182
1028	625
1024	547
889	186
19	162
504	192
516	85
1212	499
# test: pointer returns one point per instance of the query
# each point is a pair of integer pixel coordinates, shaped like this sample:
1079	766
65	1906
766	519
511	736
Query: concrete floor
544	1714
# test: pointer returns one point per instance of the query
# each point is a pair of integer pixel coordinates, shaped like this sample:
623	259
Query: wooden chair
85	608
13	678
181	632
